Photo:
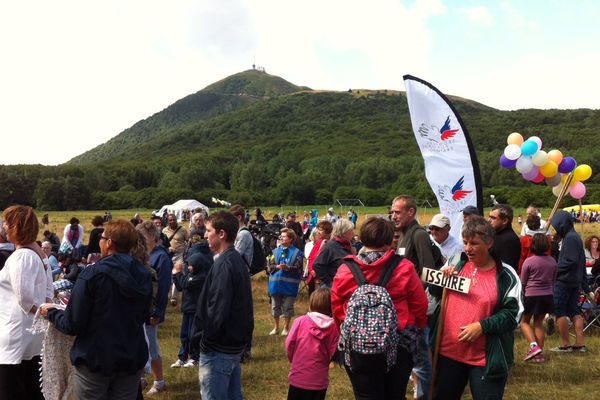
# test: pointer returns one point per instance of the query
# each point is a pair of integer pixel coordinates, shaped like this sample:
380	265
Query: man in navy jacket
224	318
570	279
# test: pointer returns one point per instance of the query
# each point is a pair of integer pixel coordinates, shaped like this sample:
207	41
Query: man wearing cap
506	244
526	231
468	212
331	216
440	234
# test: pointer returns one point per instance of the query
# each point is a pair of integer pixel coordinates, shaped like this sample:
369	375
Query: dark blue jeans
185	350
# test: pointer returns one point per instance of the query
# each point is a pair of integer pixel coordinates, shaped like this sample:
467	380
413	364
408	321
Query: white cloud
535	80
74	74
479	15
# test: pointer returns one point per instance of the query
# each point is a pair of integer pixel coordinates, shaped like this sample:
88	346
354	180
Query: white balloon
556	189
540	158
524	164
512	151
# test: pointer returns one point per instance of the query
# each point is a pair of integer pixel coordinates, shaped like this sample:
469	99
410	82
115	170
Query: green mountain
258	139
230	94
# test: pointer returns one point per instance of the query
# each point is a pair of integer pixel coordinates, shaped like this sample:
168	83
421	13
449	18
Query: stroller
590	309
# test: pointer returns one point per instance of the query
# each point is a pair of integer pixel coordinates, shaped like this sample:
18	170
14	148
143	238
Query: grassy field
265	377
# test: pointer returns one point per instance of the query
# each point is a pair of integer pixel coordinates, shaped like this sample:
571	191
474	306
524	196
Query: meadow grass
265	376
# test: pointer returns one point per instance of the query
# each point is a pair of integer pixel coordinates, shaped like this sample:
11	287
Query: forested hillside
258	139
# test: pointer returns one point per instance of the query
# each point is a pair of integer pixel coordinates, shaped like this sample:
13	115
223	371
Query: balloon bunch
537	165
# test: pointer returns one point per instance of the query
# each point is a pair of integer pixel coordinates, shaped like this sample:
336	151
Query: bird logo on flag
456	193
446	132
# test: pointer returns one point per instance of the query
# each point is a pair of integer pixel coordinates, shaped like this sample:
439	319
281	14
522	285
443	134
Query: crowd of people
368	311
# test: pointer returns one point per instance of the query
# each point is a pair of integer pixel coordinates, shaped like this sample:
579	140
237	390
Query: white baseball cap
440	221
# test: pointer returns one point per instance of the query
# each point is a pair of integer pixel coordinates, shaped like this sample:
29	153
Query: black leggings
391	385
296	393
452	377
21	381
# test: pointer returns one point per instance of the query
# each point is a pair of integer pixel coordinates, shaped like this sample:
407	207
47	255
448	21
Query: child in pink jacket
310	346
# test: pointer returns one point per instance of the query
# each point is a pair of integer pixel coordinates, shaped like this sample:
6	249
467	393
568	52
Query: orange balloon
555	155
515	138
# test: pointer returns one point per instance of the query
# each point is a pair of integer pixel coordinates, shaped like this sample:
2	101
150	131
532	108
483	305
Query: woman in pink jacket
310	346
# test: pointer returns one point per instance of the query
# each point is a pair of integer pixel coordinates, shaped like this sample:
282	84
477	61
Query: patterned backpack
369	335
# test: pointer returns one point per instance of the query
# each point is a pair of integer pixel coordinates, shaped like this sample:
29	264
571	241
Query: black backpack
259	259
438	258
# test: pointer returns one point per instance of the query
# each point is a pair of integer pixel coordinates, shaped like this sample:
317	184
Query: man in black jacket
224	318
106	313
507	244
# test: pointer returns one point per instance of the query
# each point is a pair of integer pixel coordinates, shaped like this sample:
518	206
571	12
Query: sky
74	74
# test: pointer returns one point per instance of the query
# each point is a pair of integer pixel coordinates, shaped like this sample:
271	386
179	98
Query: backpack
369	335
259	259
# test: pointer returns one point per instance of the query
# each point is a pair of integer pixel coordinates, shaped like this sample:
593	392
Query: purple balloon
531	174
506	163
567	165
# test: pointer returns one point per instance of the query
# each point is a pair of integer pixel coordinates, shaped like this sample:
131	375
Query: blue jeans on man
220	376
422	367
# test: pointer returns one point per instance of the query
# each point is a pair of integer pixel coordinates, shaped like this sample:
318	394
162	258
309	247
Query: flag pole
438	337
562	193
582	219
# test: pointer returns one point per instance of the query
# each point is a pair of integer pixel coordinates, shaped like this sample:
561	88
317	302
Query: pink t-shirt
464	309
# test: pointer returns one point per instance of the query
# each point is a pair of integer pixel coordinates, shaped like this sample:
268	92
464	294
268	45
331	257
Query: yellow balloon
515	138
549	169
555	155
582	172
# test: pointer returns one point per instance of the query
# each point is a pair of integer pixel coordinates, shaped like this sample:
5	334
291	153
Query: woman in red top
323	233
409	299
477	340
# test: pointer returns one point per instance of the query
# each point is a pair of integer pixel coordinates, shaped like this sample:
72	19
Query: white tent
180	207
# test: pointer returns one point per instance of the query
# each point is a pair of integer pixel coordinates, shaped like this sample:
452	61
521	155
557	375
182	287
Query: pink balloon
537	140
577	191
539	178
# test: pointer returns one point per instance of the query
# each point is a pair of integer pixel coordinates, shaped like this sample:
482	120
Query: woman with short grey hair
342	227
330	258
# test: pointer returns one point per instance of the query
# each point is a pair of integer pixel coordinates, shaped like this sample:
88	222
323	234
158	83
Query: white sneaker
156	388
273	332
190	364
284	332
178	364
